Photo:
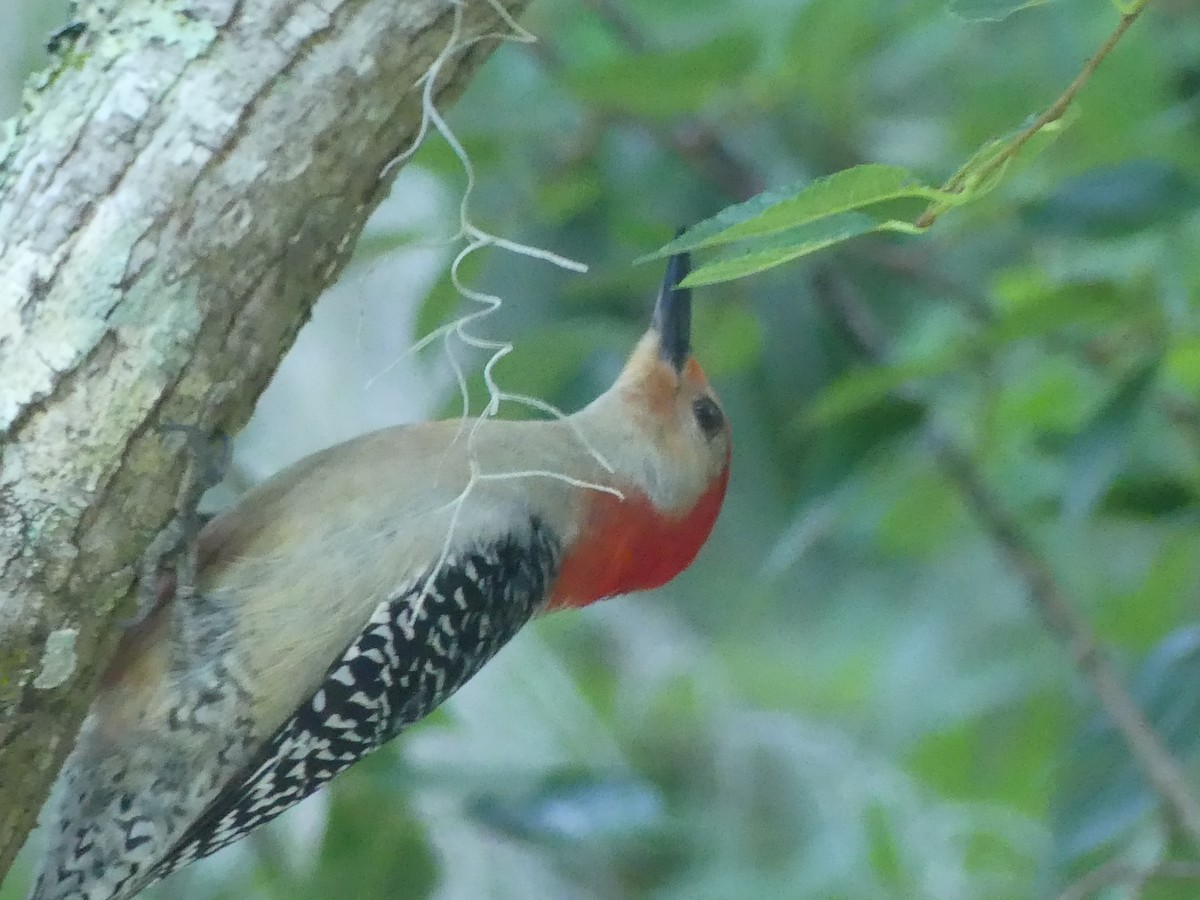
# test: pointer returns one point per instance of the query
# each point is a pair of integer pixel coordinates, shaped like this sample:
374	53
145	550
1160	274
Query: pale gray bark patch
181	187
58	659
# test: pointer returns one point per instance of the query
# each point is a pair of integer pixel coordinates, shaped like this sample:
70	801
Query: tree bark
182	186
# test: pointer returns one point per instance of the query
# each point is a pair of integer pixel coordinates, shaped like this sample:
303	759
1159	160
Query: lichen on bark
183	183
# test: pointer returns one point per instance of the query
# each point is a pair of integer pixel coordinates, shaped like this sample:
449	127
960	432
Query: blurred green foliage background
849	695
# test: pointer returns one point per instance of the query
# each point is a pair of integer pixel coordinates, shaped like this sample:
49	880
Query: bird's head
666	393
663	430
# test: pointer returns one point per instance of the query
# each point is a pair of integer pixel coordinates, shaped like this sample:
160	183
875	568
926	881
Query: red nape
630	546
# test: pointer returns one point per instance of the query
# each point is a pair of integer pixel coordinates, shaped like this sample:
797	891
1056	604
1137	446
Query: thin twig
1060	614
1113	871
1119	871
1052	113
1049	598
620	19
701	147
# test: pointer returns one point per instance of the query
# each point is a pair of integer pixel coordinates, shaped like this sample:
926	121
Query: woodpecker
351	594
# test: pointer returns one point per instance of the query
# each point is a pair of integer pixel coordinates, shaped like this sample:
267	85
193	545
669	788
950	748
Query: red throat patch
630	546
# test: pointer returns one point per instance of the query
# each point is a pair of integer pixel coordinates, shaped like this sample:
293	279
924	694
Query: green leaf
1098	452
375	844
990	10
980	173
885	849
1116	200
1032	306
860	388
1001	752
1140	617
569	194
926	498
1149	497
1182	363
662	85
804	202
729	337
759	255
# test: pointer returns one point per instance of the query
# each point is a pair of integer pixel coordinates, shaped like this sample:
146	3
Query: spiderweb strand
488	304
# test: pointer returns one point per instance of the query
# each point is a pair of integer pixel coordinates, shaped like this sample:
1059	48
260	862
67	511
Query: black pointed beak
673	313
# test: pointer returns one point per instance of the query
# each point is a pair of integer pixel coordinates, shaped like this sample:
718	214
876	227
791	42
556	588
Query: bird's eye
708	415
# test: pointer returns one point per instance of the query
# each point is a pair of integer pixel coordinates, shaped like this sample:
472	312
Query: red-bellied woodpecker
351	594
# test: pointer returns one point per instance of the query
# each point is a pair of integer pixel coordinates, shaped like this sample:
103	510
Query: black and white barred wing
417	649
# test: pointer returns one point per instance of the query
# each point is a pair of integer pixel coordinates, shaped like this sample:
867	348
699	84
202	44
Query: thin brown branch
1048	597
618	17
1059	612
1118	871
703	148
1107	874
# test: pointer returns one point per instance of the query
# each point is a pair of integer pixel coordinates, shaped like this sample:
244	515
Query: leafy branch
782	224
995	163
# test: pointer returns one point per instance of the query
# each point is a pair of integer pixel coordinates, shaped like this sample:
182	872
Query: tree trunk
182	186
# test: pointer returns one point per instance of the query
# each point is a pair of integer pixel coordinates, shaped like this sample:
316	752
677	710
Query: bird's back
211	719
